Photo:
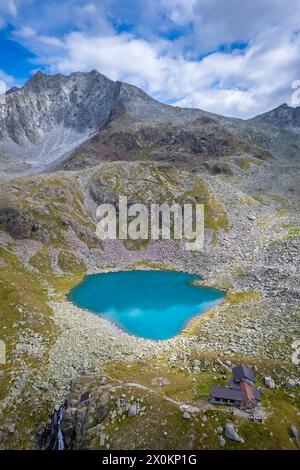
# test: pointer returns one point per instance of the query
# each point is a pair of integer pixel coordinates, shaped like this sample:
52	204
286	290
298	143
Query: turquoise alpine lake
149	304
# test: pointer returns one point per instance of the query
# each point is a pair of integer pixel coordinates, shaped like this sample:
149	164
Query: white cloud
250	73
120	56
180	11
2	87
8	9
25	32
216	22
240	83
9	6
50	40
6	82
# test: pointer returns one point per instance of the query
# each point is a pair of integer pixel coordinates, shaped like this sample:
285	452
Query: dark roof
242	372
227	393
233	384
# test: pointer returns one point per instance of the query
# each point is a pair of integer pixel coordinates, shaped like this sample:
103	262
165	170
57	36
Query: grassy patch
238	297
215	216
161	425
246	200
243	163
23	300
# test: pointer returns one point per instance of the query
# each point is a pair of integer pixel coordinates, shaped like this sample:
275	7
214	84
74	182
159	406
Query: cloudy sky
233	57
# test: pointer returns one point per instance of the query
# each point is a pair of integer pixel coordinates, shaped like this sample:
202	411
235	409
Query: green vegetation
68	262
55	267
244	163
146	151
238	297
215	217
24	304
294	232
161	425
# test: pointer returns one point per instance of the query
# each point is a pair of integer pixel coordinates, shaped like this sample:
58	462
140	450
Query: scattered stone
103	381
222	441
291	383
161	381
296	357
186	415
295	344
220	430
11	428
102	440
269	382
132	411
195	363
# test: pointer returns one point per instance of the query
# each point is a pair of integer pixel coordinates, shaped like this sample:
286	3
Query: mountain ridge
284	116
77	120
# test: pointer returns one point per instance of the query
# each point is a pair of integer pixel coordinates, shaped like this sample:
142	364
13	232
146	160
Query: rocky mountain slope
284	117
247	175
51	115
74	121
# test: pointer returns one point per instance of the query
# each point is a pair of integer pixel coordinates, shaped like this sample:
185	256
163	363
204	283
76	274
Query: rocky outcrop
285	117
21	224
52	114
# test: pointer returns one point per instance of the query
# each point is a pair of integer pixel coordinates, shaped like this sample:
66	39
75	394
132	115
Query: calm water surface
149	304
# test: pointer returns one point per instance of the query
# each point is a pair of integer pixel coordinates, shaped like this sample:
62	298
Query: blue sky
234	58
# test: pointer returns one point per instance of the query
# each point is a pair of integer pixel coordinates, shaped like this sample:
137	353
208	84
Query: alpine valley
73	379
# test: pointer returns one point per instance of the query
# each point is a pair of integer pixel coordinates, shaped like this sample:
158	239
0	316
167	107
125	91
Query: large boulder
269	382
231	433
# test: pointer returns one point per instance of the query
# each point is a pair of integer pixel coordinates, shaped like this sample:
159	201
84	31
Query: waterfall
59	439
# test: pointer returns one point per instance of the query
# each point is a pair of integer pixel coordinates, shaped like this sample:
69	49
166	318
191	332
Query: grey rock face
51	114
20	224
284	116
72	122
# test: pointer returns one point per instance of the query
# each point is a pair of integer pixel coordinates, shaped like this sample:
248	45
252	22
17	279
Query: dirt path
197	407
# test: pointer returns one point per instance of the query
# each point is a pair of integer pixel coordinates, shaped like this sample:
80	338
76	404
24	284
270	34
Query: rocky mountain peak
73	121
284	116
52	114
